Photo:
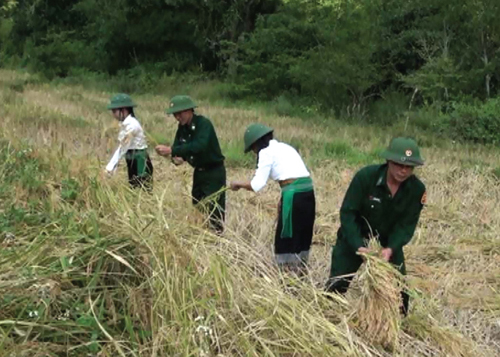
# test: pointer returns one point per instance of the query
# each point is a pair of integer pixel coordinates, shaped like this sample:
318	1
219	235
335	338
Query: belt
210	166
286	182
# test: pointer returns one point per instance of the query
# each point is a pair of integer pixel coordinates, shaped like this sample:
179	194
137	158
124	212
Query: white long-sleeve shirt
279	161
131	137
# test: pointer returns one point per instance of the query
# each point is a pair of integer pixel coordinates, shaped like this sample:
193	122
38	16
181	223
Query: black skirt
140	169
294	250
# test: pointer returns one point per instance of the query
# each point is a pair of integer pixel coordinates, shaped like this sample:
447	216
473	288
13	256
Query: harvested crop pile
376	311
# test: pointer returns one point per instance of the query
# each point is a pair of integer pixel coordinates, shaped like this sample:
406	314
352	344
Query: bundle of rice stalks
376	314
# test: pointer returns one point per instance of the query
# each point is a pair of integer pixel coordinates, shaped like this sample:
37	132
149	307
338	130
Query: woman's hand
235	185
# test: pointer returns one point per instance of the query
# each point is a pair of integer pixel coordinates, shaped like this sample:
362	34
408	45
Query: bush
478	123
389	109
57	55
428	118
284	106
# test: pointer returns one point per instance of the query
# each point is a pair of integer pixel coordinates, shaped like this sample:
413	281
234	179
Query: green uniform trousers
205	184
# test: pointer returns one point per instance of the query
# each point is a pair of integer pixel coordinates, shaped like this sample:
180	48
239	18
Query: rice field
90	268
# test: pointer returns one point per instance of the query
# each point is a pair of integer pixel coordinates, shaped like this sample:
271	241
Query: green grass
235	156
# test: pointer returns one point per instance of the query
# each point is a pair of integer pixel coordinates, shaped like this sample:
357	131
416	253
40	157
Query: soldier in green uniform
196	142
383	200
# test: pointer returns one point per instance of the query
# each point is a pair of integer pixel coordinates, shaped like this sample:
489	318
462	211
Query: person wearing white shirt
132	144
297	207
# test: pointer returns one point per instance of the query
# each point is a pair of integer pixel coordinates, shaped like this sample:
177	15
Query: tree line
333	55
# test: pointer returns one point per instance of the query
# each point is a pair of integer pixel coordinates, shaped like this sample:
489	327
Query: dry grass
108	272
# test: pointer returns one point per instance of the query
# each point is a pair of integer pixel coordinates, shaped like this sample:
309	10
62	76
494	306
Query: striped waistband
300	184
130	154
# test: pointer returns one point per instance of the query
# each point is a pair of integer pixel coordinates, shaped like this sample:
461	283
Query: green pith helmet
180	103
403	151
253	133
121	101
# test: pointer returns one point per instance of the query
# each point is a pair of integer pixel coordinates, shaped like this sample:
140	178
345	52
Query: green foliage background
380	61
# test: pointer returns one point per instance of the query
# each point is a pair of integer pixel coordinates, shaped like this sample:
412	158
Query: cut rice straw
376	312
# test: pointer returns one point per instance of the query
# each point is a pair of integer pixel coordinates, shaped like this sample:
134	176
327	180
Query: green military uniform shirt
369	207
197	143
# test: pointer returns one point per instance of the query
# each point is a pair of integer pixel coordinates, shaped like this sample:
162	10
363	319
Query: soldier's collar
194	121
382	178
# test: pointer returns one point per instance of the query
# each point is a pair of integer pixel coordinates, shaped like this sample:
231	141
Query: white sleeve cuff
114	160
257	184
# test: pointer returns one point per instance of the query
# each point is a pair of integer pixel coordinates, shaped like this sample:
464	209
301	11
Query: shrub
478	123
389	109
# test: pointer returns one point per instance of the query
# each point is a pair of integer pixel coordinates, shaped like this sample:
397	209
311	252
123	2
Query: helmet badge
408	153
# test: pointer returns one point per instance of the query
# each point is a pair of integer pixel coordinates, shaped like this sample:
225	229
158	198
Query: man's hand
163	150
363	250
177	160
386	254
